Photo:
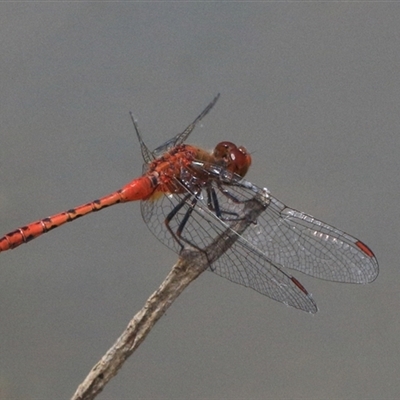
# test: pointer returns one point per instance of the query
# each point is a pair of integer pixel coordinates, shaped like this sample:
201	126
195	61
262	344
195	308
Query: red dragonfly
191	196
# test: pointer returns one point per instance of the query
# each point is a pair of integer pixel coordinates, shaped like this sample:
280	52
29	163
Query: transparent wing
250	268
149	156
181	137
303	243
242	263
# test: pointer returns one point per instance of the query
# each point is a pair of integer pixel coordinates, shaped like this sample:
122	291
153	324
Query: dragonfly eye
235	159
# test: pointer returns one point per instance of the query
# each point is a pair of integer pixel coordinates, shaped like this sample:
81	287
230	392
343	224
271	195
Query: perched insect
191	196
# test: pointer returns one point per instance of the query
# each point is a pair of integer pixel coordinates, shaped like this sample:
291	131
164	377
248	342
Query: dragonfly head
233	158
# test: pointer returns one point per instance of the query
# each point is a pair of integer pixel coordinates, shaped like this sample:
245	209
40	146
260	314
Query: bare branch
189	266
180	276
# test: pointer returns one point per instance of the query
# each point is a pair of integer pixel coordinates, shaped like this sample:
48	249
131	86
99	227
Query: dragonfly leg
213	205
171	215
229	195
178	234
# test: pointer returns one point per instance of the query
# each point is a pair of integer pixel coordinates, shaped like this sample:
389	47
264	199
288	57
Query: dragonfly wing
181	137
241	263
297	240
301	242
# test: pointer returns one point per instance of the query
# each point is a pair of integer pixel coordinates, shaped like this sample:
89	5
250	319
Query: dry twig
189	266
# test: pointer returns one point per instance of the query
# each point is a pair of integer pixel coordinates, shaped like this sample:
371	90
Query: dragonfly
191	197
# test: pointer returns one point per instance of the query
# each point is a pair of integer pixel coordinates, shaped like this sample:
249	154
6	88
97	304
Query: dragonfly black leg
178	234
171	215
213	205
228	194
212	202
185	218
183	223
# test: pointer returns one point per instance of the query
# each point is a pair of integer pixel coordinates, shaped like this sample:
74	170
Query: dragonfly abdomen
137	189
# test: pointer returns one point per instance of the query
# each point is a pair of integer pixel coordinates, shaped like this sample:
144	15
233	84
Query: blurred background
312	91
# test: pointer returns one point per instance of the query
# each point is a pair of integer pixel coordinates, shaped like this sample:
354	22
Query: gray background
311	89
